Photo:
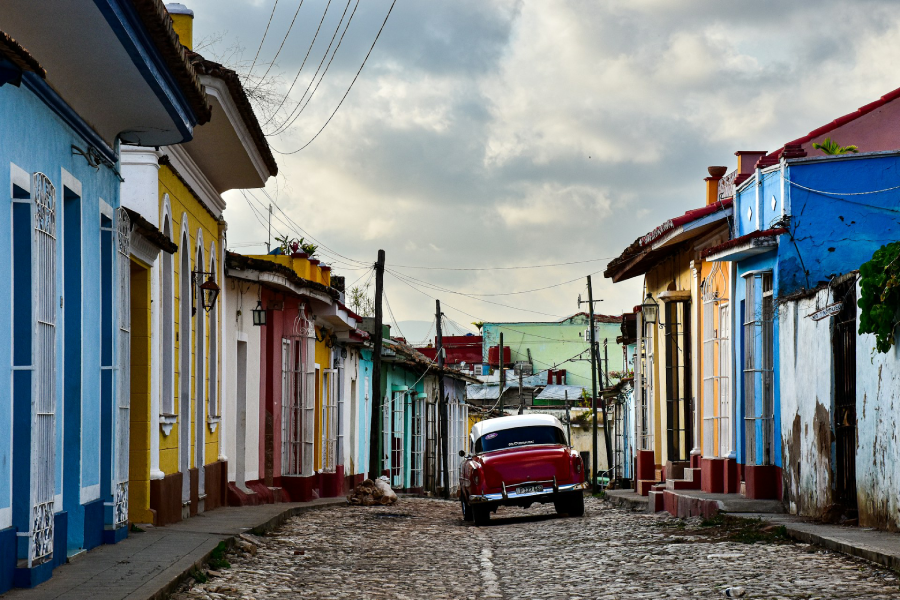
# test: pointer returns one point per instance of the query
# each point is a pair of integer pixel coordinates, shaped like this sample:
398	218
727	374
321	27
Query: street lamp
209	290
259	315
649	309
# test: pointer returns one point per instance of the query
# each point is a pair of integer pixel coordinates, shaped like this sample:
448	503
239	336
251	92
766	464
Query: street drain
392	516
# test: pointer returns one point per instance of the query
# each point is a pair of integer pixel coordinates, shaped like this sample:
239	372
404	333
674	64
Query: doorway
844	352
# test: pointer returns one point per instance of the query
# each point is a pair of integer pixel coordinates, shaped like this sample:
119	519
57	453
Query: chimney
712	183
747	160
183	21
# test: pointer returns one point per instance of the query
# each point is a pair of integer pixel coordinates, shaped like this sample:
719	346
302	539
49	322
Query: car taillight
476	479
578	465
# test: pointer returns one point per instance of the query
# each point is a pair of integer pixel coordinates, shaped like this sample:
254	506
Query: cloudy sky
506	133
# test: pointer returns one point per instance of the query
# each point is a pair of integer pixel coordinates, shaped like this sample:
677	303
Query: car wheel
570	504
481	514
467	510
576	505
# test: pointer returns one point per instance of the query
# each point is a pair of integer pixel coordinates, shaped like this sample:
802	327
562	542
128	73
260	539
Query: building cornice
196	180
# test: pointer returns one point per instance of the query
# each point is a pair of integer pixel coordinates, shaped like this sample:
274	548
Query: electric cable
280	47
295	114
576	262
516	293
265	33
303	64
355	77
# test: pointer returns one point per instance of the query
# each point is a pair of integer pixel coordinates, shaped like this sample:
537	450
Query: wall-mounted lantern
649	309
209	291
259	315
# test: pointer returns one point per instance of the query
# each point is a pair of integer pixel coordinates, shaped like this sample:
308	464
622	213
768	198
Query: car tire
467	510
481	514
576	505
571	504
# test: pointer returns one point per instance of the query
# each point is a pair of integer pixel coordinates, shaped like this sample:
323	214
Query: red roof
863	110
688	217
742	240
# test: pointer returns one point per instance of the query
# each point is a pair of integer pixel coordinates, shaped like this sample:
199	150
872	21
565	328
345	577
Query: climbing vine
879	300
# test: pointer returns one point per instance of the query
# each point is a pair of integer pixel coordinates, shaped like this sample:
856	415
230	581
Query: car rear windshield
520	436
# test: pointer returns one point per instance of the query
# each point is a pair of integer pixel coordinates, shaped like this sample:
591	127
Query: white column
220	354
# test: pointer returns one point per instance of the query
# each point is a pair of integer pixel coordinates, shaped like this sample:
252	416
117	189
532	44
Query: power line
265	33
576	262
300	70
280	47
537	312
291	119
555	285
344	97
391	311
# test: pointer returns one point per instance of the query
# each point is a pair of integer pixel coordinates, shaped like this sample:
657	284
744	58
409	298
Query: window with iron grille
398	416
167	403
308	396
417	448
35	302
329	421
716	365
645	393
123	374
291	406
678	379
759	350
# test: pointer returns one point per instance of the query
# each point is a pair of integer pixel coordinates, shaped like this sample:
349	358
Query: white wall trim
68	180
90	493
18	177
5	517
105	209
188	169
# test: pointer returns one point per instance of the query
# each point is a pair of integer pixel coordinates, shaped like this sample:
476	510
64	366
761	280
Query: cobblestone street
422	549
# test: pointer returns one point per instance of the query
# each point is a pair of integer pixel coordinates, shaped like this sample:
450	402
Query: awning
561	392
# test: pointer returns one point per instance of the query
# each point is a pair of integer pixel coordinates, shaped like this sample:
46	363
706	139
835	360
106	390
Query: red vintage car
518	461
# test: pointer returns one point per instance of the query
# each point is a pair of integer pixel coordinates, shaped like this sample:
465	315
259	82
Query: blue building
95	75
800	224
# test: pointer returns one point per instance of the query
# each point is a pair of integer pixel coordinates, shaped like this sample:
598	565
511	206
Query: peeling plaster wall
877	450
806	386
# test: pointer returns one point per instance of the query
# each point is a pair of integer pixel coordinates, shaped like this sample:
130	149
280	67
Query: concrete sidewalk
880	547
150	565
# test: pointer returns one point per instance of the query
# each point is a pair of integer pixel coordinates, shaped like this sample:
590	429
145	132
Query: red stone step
644	485
657	502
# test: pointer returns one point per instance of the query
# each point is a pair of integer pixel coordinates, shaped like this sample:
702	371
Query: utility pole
568	419
594	486
606	439
374	429
269	239
502	375
442	402
521	396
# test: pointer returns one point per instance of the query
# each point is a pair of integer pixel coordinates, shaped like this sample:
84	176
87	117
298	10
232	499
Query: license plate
529	489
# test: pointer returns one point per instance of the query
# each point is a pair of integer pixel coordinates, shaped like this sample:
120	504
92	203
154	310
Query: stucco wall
240	296
878	453
807	388
37	140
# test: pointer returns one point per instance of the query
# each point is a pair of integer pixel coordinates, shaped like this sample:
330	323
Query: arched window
184	361
167	406
213	346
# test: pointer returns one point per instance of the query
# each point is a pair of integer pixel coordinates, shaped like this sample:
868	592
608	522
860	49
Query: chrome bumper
510	494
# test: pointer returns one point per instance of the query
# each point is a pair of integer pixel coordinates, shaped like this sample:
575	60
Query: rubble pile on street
370	493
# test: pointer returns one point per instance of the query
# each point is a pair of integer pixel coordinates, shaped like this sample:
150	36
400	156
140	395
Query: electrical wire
295	114
548	287
300	70
355	77
280	47
576	262
391	312
265	33
537	312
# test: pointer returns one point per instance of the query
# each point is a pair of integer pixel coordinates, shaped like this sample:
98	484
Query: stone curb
168	588
799	533
796	531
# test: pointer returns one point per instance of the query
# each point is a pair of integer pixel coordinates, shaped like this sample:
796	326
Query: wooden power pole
593	342
442	403
375	426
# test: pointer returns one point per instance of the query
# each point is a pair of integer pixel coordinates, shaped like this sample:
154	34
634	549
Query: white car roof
501	423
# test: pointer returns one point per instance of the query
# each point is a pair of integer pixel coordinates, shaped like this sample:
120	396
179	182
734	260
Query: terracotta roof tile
19	56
